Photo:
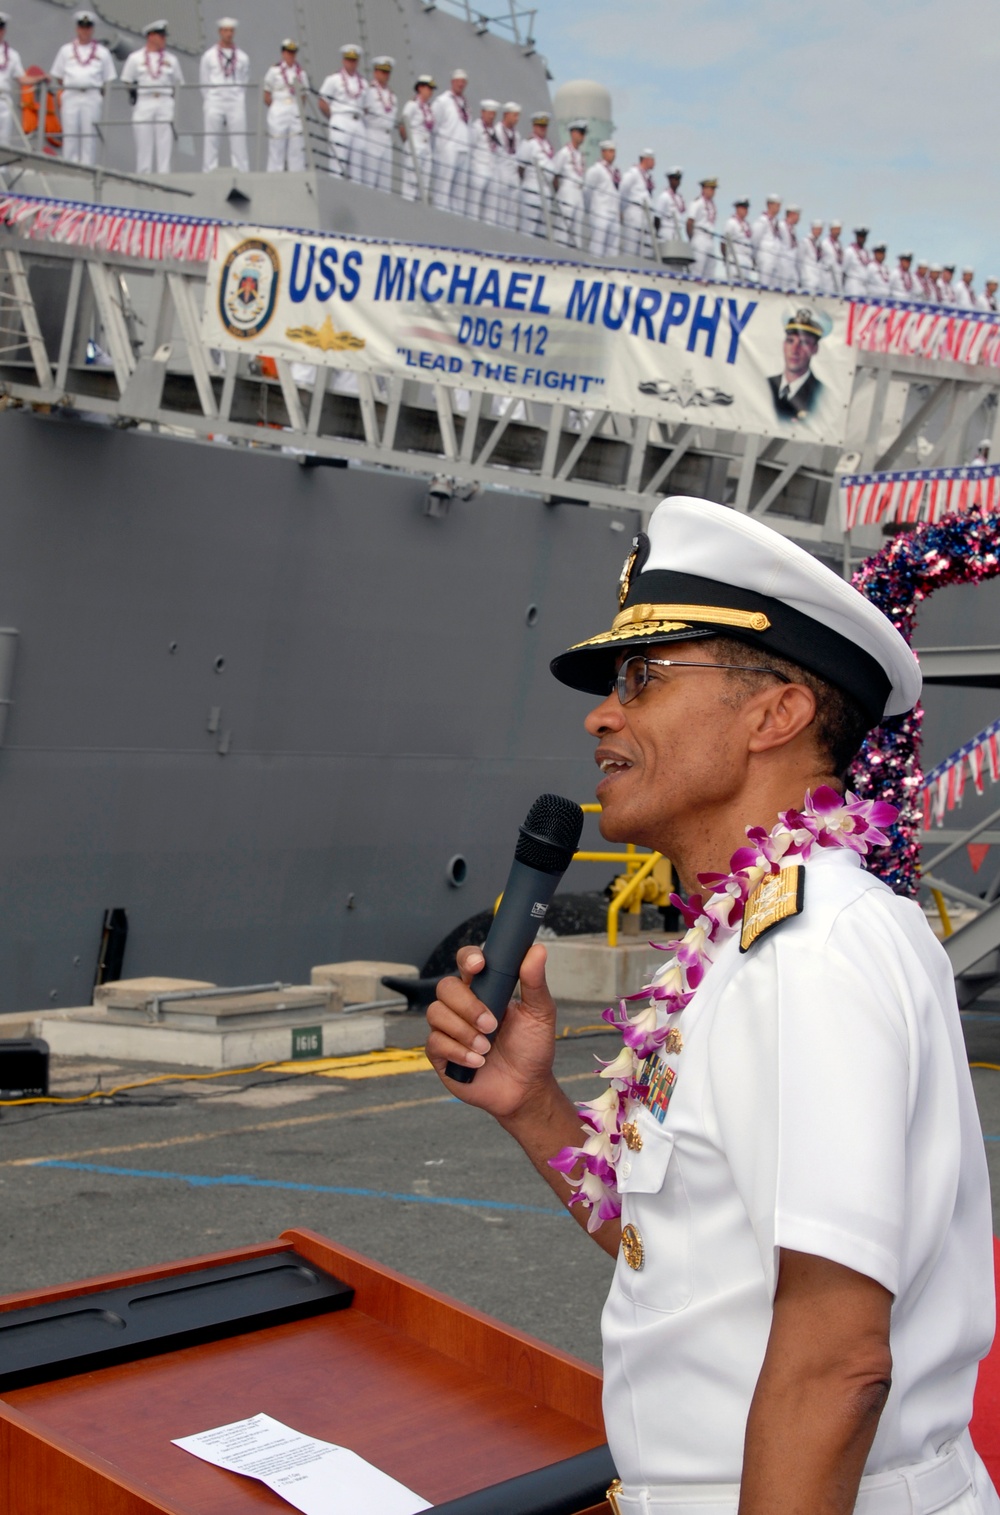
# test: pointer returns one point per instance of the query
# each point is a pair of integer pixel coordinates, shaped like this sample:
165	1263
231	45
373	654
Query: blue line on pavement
247	1181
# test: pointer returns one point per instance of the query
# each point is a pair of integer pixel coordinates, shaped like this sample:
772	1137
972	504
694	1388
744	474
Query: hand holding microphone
545	848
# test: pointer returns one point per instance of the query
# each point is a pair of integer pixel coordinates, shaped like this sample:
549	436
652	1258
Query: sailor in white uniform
601	190
946	285
11	74
934	279
786	272
380	112
903	284
285	84
923	289
671	207
739	243
804	1257
833	259
224	73
965	295
153	74
701	230
452	146
569	168
812	269
484	199
508	165
637	206
767	240
856	261
83	68
417	131
537	154
879	273
340	101
988	298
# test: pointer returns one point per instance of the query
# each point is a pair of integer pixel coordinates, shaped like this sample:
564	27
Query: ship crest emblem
248	288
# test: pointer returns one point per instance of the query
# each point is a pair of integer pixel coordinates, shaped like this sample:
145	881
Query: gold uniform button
633	1136
632	1249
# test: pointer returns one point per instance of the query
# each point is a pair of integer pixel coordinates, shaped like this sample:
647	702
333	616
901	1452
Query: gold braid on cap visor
646	620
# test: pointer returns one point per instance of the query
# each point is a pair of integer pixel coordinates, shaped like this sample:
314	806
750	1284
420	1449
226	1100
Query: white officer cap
648	152
459	73
711	183
968	270
4	18
578	126
154	26
703	570
797	209
425	79
489	105
350	50
83	18
675	173
540	118
384	62
289	45
227	21
935	268
773	199
511	107
608	144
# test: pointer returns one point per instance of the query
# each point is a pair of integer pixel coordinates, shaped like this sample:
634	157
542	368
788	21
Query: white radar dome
584	100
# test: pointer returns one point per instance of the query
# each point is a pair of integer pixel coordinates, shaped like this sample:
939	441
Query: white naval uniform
965	297
379	114
636	193
833	262
946	292
483	200
703	214
822	1104
856	262
536	159
601	189
285	142
154	76
11	74
904	285
671	207
83	70
344	94
879	277
509	175
739	249
569	167
767	246
786	271
813	274
451	152
418	118
224	73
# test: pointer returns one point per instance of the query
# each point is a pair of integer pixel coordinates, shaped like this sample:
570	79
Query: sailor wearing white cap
380	112
340	100
738	243
537	153
701	230
637	206
484	190
856	262
812	273
988	298
879	273
153	73
767	240
833	258
786	272
452	146
934	280
11	74
671	207
285	84
791	1131
82	69
602	193
902	281
416	128
509	165
946	286
224	73
568	170
965	295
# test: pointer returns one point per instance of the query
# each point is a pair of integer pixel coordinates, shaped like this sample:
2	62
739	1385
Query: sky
882	113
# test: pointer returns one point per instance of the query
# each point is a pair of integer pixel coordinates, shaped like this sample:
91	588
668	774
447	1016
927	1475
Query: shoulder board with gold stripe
777	898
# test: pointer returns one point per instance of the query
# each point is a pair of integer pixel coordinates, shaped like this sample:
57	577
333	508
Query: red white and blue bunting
944	786
937	332
869	499
156	236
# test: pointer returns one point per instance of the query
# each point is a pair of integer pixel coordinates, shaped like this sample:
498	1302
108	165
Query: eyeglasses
633	675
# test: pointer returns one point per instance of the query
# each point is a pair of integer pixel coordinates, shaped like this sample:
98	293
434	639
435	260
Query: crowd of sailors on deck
476	163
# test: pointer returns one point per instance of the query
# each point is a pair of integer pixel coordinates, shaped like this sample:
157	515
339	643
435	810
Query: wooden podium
443	1398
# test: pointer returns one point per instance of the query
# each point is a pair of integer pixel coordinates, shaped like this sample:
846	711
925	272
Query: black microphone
545	848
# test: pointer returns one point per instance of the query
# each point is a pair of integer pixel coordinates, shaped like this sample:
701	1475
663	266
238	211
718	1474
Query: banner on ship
636	343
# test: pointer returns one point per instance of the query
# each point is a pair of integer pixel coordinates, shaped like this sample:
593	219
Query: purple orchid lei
826	819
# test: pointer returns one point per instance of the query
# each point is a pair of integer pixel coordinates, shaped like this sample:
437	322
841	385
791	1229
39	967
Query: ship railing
512	20
640	883
972	934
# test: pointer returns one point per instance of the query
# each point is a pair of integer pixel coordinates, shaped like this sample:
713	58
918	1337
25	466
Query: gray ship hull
382	704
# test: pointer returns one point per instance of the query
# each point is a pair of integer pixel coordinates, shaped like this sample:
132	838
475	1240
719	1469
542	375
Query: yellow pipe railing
942	910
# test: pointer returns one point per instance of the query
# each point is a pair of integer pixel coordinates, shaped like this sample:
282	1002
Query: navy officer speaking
787	1161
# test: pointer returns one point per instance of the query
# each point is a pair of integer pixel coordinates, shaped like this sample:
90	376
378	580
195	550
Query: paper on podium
314	1476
